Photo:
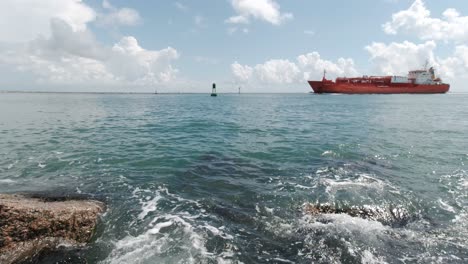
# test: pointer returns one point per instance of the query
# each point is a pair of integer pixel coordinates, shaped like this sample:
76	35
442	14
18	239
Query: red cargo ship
418	81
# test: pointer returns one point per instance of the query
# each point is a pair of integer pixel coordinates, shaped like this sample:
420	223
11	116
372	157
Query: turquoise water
196	179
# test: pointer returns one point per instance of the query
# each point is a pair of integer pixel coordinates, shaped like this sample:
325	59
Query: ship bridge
418	77
423	77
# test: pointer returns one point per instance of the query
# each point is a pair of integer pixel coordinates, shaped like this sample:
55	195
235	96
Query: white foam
173	229
218	232
446	206
380	157
283	260
363	181
159	226
346	222
149	246
328	153
40	165
369	258
303	187
464	184
149	206
10	166
7	181
321	170
269	210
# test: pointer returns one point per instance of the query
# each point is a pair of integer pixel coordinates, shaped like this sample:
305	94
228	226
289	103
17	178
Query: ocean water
196	179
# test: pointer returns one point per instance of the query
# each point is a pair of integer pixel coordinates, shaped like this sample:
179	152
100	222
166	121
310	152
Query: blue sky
204	46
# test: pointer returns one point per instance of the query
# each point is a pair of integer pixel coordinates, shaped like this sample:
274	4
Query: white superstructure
418	77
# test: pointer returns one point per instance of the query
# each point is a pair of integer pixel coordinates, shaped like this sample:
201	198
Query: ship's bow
317	86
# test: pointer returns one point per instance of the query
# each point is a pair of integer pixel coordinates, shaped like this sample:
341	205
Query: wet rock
30	226
394	217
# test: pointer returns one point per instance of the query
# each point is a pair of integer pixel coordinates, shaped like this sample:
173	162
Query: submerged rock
395	217
30	226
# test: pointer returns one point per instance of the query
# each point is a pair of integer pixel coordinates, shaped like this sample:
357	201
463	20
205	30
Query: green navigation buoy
213	91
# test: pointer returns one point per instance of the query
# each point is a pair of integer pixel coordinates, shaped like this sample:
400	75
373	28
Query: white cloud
130	62
313	66
266	10
107	5
70	54
181	6
308	66
233	30
455	67
243	73
65	57
237	20
26	19
399	58
417	20
461	52
119	16
199	20
277	71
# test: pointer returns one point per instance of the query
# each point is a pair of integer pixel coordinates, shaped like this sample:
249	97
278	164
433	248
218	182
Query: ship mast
426	64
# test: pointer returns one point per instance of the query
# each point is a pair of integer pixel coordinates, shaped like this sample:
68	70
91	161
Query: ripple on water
242	201
7	181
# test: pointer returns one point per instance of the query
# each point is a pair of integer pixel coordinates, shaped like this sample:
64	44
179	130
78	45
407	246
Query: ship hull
393	88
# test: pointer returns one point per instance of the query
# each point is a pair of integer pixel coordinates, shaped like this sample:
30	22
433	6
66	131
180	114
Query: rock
394	217
30	226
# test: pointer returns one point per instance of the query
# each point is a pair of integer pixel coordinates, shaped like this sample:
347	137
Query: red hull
327	86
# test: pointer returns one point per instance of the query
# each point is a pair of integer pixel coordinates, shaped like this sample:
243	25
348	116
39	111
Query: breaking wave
177	231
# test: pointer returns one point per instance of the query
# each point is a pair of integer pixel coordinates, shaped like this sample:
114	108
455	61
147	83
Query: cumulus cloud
243	73
130	62
417	20
306	67
26	19
313	66
398	58
70	54
65	57
455	67
277	71
119	16
266	10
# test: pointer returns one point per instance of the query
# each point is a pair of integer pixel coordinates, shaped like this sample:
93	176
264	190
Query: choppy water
195	179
